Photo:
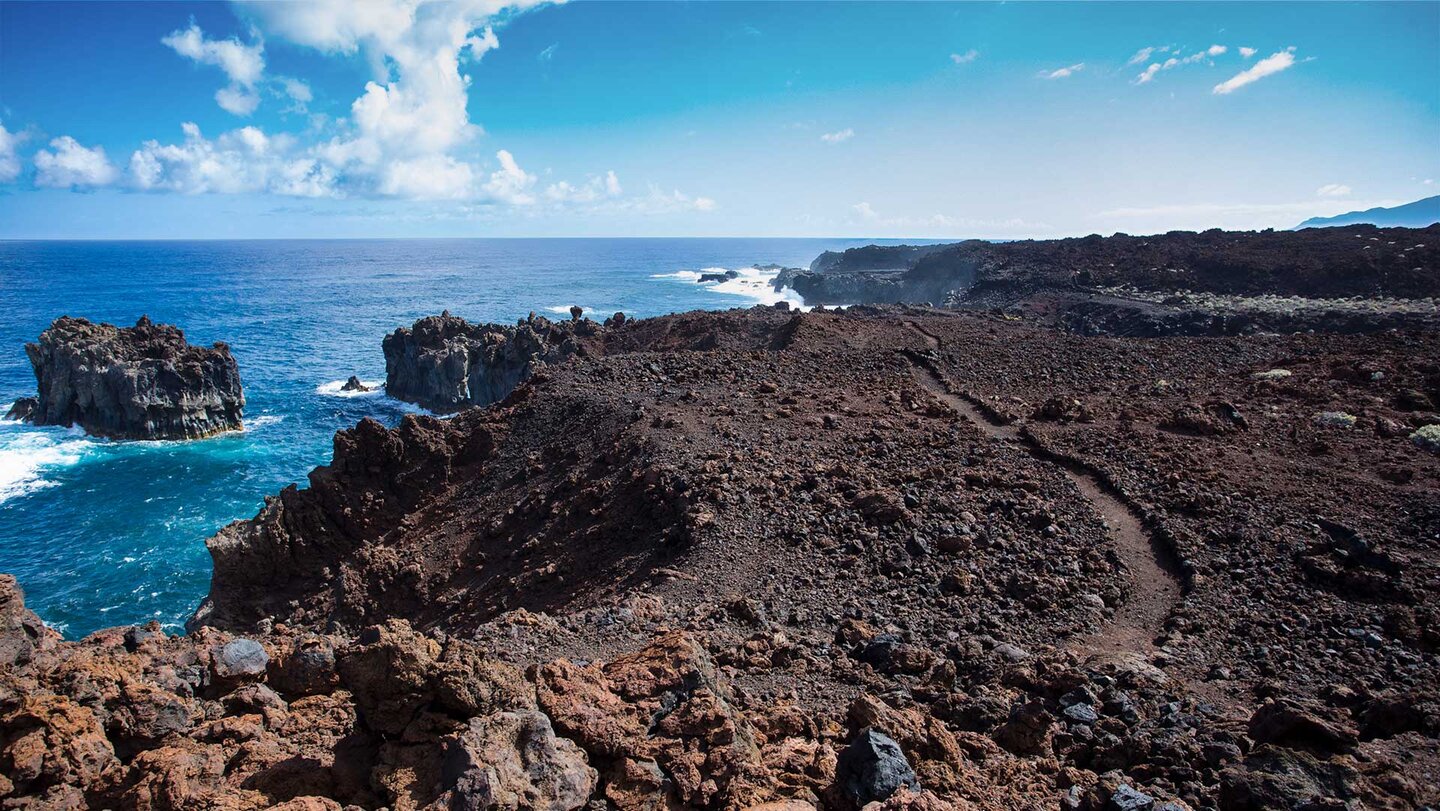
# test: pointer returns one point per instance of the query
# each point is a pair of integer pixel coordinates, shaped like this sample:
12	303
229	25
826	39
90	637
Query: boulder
513	760
873	767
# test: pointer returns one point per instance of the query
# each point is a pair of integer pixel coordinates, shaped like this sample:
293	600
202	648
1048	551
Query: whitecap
335	388
256	423
564	309
750	283
27	454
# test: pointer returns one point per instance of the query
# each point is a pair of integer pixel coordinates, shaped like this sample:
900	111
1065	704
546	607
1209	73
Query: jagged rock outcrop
444	363
140	382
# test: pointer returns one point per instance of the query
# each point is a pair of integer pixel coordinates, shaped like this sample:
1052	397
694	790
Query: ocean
102	533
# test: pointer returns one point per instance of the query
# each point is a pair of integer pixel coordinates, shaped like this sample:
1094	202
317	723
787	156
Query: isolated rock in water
872	768
576	311
354	384
140	382
22	409
445	363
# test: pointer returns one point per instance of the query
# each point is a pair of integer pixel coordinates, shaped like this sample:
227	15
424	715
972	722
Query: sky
401	118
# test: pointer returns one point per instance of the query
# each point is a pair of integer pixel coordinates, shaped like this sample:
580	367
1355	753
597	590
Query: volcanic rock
140	382
354	384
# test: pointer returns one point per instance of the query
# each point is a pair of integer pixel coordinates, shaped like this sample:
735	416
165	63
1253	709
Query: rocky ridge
1157	285
140	382
760	559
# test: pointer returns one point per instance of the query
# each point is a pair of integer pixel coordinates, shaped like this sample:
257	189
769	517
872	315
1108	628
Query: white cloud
9	160
510	183
1155	68
1063	73
837	137
1145	53
242	161
237	99
547	53
1274	63
965	58
1333	190
596	188
73	166
1247	52
242	64
428	177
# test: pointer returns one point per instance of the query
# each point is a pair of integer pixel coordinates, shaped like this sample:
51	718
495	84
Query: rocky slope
761	559
1143	283
140	382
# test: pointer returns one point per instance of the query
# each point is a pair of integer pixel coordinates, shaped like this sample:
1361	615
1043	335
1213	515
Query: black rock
354	384
576	311
22	409
872	768
1081	713
140	382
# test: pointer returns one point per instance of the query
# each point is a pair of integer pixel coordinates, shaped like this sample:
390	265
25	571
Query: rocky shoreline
889	557
1181	283
142	382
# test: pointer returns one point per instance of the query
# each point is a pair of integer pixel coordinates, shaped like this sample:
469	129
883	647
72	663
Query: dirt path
1154	587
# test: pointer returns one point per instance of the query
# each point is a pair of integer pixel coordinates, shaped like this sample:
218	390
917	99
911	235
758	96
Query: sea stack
445	364
140	382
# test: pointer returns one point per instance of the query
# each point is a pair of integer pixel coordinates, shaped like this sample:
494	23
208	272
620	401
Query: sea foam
750	283
28	453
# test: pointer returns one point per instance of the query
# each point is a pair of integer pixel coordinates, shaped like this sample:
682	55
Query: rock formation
354	384
444	363
140	382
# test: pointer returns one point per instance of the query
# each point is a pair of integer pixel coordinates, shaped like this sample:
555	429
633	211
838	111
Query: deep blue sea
103	533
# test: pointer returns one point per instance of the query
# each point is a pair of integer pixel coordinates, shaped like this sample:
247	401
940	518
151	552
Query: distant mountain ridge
1411	215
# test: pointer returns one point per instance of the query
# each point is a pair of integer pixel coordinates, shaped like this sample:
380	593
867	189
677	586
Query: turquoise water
105	533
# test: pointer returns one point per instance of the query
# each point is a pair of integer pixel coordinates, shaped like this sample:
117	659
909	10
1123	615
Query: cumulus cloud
1333	190
9	160
1272	64
596	188
241	161
1215	50
965	58
838	137
73	166
510	183
1064	72
242	64
1247	52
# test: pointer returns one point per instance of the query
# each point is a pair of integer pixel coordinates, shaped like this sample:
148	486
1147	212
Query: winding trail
1154	585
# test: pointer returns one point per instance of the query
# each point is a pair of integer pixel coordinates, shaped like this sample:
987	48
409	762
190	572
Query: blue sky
471	118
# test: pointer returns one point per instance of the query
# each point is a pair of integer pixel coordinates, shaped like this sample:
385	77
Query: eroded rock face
140	382
445	363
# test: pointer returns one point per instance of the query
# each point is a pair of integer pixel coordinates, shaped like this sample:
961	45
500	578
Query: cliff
140	382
